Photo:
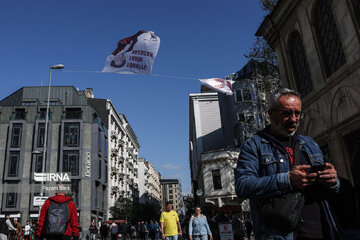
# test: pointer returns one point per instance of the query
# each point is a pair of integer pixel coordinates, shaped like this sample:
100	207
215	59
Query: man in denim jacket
265	169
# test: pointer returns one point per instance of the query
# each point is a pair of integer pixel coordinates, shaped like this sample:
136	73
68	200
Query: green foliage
125	209
265	57
267	5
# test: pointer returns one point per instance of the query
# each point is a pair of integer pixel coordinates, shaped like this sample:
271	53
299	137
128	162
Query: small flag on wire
135	54
219	85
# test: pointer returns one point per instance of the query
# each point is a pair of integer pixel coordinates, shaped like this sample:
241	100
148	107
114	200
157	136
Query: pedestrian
279	170
157	230
123	230
142	230
114	230
27	230
5	226
55	213
198	226
93	231
18	227
104	231
169	223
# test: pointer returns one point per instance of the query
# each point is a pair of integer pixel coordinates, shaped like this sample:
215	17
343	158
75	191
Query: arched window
328	38
299	64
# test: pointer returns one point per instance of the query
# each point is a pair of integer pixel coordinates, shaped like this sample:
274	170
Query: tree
123	209
260	51
267	5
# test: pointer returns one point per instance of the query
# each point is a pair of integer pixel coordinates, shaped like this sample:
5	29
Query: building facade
149	184
122	154
318	48
170	191
76	147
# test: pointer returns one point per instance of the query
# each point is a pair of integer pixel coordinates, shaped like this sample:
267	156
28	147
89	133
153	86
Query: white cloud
171	167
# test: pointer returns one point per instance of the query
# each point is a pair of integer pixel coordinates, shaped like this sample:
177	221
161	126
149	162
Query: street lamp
57	66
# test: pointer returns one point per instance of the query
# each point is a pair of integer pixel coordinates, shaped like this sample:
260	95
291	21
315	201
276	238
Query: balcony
113	134
114	151
114	189
121	143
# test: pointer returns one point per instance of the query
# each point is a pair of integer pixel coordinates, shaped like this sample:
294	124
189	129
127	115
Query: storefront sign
226	232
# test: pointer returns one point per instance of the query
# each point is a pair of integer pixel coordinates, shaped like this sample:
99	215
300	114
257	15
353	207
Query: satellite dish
199	192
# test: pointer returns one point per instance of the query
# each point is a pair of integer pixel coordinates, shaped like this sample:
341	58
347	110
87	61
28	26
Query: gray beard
281	130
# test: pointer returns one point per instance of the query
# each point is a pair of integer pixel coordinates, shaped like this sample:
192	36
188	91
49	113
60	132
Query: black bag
284	211
57	218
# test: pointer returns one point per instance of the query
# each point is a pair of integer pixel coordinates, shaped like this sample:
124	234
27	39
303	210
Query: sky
199	39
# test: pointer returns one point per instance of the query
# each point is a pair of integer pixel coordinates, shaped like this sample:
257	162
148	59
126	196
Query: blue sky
199	39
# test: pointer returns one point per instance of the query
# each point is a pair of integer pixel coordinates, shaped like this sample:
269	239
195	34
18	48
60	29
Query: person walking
27	230
198	226
55	213
93	231
104	231
114	230
169	223
5	226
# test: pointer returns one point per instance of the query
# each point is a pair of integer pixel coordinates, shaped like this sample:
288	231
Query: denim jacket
199	226
263	171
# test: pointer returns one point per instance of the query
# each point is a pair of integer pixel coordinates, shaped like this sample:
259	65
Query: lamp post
57	66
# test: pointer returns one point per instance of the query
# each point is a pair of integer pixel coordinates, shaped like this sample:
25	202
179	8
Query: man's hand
163	236
299	178
211	238
328	177
190	237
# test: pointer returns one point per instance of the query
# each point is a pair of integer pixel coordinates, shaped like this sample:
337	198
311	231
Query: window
328	38
11	200
71	135
170	196
71	162
170	191
20	114
73	113
52	103
299	64
29	103
216	179
106	147
105	172
38	163
243	95
99	170
41	135
42	113
75	191
99	141
246	117
16	135
13	164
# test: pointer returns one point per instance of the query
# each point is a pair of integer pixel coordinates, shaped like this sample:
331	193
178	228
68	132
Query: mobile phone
317	168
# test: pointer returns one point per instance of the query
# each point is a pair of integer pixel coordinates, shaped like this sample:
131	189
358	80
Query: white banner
218	84
135	54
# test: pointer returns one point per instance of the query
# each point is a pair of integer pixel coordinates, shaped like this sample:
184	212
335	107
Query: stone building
219	125
149	184
122	152
318	48
170	191
76	147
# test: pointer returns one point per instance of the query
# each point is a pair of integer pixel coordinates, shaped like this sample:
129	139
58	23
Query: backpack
3	227
57	218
